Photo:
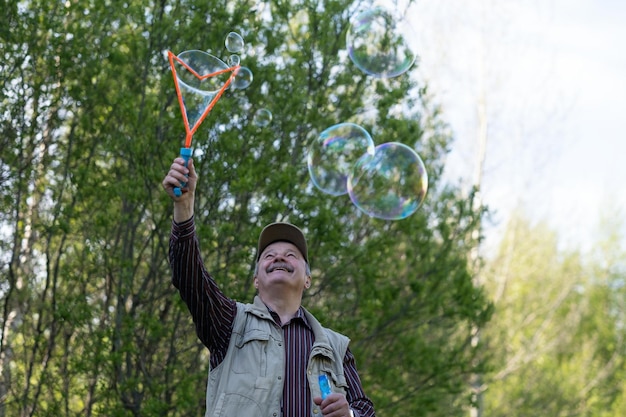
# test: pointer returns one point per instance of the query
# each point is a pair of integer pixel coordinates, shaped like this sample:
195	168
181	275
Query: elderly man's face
281	265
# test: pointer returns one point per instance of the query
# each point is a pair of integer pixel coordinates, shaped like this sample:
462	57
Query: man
266	357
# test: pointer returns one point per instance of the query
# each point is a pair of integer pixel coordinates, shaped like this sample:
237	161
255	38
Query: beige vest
249	381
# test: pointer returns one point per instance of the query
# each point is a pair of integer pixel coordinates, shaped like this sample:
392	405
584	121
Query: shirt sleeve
361	405
213	313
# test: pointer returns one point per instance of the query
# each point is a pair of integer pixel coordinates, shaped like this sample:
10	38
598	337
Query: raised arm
212	312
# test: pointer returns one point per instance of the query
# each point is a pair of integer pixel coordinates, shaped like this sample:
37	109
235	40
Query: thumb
192	176
191	168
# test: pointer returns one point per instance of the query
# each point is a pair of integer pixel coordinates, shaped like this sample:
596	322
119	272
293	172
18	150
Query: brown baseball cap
282	232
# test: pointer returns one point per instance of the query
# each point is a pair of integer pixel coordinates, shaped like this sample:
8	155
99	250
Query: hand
335	405
179	173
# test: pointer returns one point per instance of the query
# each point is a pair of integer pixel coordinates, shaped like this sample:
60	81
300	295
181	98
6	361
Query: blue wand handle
185	153
324	386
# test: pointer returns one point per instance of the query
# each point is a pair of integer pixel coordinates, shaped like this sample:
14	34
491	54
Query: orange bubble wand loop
186	151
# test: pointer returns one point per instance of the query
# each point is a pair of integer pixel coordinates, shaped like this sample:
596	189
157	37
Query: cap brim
282	232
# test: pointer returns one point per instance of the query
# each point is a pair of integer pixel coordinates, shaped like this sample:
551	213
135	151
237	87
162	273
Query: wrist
183	211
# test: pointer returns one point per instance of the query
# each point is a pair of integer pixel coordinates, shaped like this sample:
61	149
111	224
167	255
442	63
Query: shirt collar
298	316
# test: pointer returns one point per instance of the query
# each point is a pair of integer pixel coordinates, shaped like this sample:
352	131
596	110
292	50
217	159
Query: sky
552	75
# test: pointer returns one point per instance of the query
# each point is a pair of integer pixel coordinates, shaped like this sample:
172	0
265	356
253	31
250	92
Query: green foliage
91	324
558	328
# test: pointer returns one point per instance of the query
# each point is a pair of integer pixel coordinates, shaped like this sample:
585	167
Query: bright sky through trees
552	75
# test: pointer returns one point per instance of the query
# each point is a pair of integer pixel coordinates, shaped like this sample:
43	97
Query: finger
335	405
169	183
174	178
176	175
191	169
179	165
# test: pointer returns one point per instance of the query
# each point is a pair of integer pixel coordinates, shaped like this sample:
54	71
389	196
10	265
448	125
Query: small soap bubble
377	43
243	79
234	60
332	154
262	118
391	185
234	42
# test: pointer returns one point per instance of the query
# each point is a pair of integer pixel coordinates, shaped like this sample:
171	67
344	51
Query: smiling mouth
279	266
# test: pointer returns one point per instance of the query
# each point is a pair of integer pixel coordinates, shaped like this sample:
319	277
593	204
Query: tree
90	323
557	333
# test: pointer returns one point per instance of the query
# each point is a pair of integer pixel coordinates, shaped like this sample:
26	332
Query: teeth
279	267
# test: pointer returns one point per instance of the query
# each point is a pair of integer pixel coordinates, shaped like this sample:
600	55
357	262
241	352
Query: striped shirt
213	314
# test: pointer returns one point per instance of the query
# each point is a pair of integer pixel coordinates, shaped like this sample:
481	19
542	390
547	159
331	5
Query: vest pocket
251	353
338	380
231	405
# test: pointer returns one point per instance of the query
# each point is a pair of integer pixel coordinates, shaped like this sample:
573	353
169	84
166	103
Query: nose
279	258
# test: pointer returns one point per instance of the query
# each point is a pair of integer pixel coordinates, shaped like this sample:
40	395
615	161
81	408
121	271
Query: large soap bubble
195	74
391	185
378	45
333	153
198	86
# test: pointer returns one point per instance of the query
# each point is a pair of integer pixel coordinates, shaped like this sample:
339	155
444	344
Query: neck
285	307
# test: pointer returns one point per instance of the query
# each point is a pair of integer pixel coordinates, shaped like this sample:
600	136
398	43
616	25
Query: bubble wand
186	151
324	386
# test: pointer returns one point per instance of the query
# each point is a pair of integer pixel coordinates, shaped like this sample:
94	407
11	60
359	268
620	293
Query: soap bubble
377	43
243	79
234	60
262	117
391	185
198	92
234	42
332	154
202	64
